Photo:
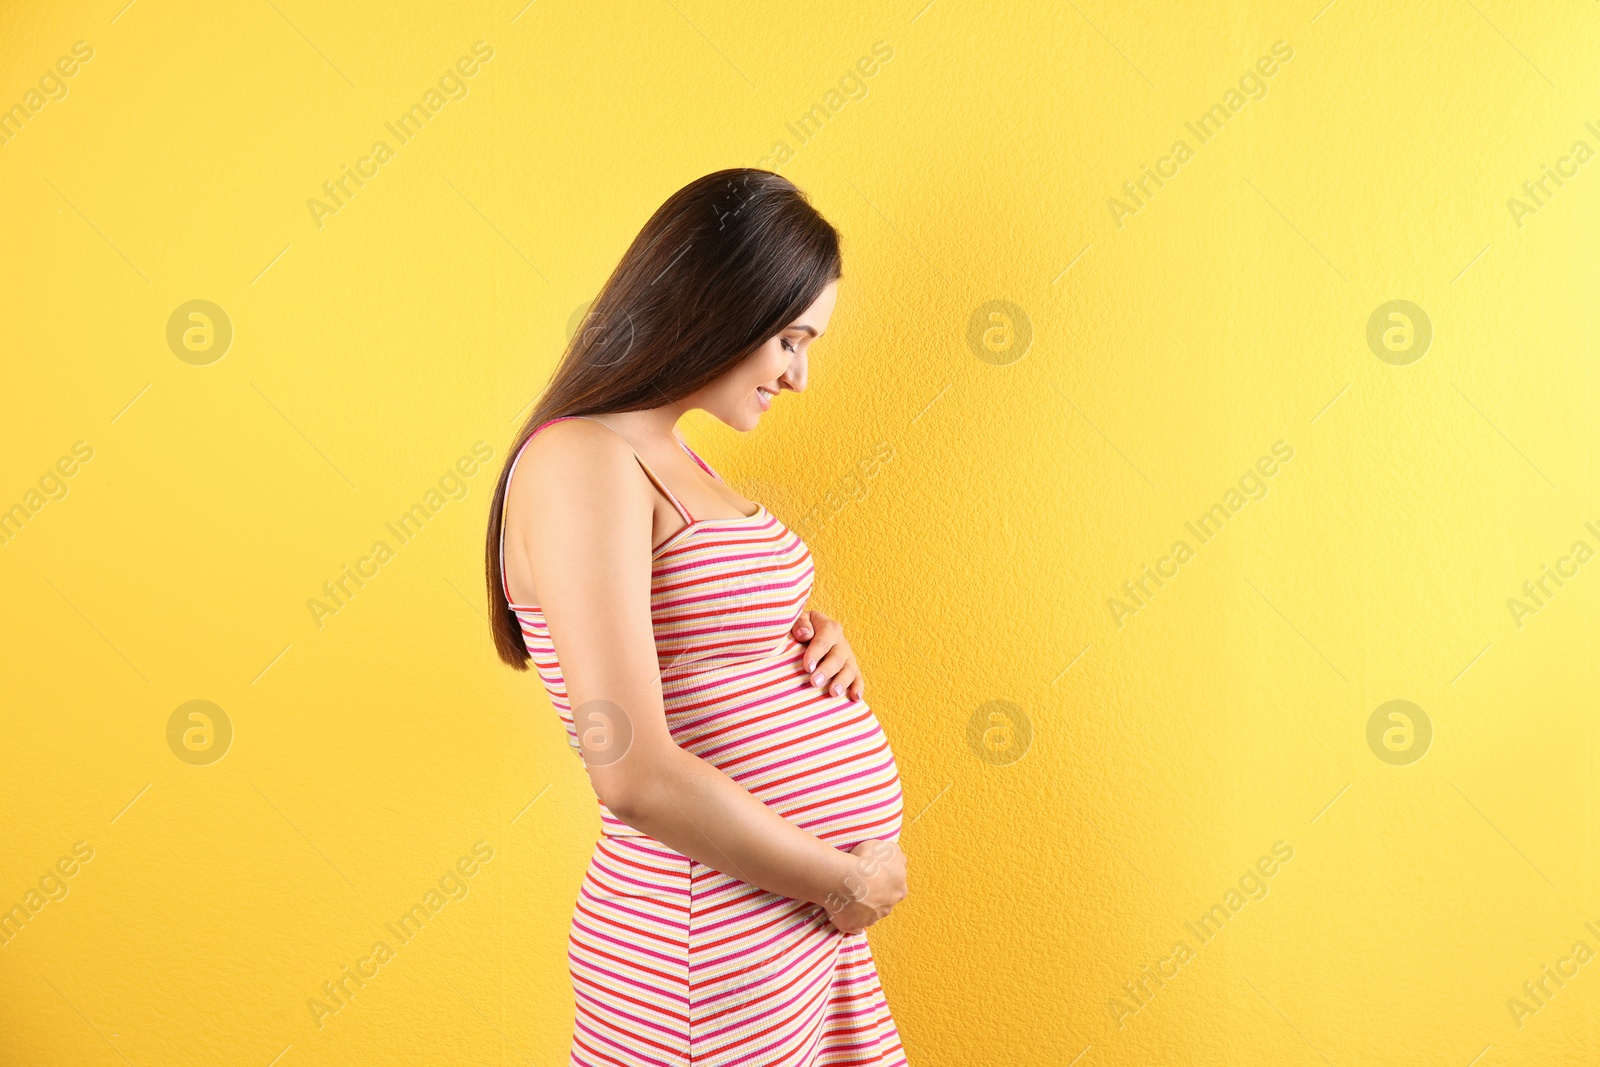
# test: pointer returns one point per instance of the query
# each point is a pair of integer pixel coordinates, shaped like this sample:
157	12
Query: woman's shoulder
572	438
575	453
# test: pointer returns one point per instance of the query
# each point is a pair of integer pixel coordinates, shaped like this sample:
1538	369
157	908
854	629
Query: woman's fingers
820	645
837	656
848	680
828	658
829	636
811	623
881	880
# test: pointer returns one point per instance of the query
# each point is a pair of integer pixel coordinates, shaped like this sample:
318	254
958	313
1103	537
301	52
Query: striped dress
676	964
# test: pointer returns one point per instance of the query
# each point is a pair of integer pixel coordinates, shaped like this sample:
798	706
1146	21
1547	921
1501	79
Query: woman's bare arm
580	514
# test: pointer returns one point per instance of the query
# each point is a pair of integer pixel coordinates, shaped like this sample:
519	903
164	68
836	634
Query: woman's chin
742	420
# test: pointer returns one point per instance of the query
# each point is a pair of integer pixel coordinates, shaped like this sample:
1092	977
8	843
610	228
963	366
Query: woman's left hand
828	657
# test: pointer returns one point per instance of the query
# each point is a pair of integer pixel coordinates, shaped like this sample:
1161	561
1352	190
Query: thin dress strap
505	587
697	459
659	484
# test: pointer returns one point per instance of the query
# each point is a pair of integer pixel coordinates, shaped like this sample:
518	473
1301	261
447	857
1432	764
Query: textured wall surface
1205	380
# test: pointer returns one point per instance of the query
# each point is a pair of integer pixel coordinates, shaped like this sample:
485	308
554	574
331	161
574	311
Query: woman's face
742	395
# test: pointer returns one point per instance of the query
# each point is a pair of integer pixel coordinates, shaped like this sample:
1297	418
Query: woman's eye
787	344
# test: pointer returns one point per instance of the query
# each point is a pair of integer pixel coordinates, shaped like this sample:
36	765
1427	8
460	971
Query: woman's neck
648	424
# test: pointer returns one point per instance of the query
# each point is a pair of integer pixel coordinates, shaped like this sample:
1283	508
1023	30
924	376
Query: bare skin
582	523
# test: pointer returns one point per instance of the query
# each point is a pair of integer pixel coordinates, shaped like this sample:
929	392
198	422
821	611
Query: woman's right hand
875	884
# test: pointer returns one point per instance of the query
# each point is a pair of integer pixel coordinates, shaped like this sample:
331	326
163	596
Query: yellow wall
1143	761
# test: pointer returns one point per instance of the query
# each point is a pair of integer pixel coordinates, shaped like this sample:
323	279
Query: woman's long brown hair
725	264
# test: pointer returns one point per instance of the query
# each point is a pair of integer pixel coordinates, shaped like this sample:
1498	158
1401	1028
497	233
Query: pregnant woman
749	801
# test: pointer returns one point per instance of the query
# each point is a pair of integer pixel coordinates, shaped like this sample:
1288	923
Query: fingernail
816	680
838	690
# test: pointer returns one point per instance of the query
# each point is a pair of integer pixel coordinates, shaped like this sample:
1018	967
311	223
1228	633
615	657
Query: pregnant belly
820	761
